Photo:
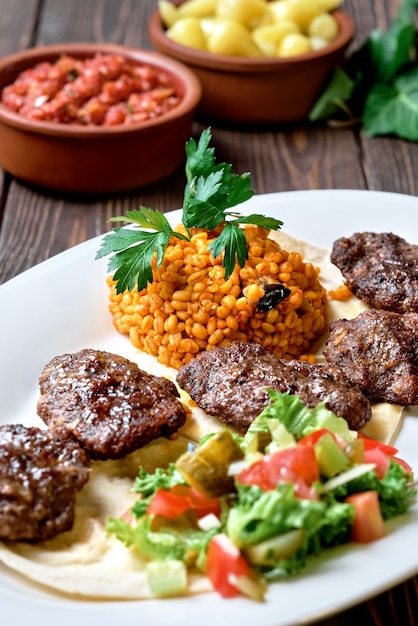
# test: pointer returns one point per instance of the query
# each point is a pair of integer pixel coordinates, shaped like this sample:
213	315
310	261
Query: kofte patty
378	351
41	472
108	403
379	268
230	383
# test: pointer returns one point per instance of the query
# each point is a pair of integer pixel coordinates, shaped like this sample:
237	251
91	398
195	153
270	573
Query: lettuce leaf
298	419
165	544
259	515
396	492
146	484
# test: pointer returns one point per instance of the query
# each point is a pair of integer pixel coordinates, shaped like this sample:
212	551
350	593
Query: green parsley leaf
133	250
200	158
147	218
271	223
232	243
134	265
211	189
201	208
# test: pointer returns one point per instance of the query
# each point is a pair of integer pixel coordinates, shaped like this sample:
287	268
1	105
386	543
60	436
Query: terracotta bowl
95	159
258	91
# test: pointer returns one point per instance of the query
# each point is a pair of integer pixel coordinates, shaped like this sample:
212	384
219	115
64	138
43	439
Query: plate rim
50	604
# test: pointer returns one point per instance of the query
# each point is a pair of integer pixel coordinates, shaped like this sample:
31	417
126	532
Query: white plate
61	306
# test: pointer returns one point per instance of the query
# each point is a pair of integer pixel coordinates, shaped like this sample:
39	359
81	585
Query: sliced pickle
206	468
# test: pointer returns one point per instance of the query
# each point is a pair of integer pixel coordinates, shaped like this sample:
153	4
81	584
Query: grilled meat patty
40	474
108	403
379	268
230	383
378	351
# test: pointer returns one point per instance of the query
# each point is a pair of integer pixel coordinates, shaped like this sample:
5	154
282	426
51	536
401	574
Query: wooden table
36	224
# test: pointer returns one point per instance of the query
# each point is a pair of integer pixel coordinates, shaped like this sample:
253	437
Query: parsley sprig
211	189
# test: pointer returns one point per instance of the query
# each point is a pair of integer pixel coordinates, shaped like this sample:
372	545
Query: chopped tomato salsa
105	90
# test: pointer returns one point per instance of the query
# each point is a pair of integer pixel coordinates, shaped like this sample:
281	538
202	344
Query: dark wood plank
80	20
388	163
293	159
18	20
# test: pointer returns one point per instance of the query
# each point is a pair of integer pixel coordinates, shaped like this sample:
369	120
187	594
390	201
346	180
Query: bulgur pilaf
190	307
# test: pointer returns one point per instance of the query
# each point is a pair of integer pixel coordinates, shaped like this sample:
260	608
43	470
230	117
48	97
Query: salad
248	510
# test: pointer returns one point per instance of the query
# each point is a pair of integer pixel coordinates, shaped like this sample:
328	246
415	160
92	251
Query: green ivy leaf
339	90
393	109
367	88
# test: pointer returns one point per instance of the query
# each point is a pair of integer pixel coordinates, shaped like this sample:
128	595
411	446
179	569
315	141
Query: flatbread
387	418
89	563
86	561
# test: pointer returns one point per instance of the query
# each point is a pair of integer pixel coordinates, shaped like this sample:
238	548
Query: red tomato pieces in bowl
104	90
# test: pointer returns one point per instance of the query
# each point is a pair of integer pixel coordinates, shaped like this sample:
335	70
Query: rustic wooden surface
37	224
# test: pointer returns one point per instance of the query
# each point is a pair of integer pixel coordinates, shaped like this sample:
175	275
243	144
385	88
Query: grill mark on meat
107	402
378	351
230	382
40	473
379	268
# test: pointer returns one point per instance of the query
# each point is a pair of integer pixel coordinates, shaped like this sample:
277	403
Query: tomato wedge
368	523
380	459
402	463
370	444
168	504
199	502
371	456
224	563
297	465
172	503
314	437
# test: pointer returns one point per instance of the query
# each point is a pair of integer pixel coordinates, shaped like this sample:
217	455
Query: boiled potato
324	26
198	8
268	37
168	12
210	24
294	44
187	31
251	27
232	38
243	11
317	43
300	11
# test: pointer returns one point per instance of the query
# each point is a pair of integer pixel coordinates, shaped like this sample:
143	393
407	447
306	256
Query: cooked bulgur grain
341	293
190	307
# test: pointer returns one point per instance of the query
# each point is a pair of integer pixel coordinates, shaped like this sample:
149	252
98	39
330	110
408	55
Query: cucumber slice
331	459
354	472
276	548
167	578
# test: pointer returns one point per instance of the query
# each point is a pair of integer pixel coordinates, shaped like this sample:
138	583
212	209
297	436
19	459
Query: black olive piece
273	294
